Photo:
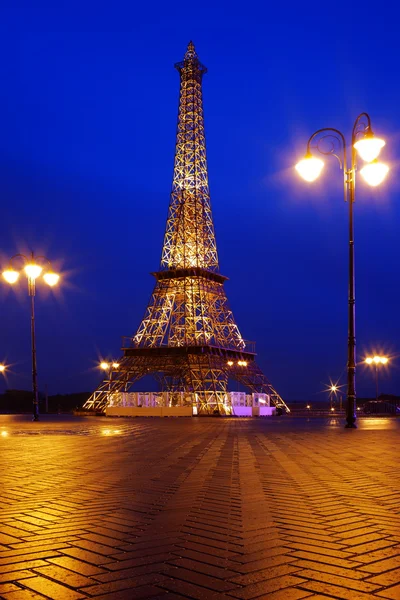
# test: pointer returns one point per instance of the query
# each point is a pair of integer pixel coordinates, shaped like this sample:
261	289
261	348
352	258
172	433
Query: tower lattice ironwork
188	338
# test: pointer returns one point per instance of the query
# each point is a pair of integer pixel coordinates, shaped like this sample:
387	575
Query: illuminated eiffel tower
188	339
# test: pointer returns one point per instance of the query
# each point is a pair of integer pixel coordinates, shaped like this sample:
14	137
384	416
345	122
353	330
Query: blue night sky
87	142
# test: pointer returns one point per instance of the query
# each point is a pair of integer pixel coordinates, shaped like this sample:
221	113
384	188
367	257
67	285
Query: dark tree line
20	401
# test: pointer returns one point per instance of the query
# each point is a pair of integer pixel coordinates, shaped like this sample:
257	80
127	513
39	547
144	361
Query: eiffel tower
188	339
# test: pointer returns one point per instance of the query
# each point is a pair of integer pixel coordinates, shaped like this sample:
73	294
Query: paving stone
255	590
76	565
61	575
386	579
393	593
337	592
22	595
350	583
50	589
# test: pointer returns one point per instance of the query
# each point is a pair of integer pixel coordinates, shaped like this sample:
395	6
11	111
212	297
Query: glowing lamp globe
32	270
369	360
10	275
309	168
51	278
369	147
384	360
2	368
374	173
104	366
115	365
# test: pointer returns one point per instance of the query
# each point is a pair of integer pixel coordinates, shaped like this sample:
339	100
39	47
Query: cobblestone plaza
204	508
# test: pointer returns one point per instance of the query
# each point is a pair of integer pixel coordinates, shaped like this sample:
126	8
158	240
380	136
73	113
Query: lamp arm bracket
362	125
329	141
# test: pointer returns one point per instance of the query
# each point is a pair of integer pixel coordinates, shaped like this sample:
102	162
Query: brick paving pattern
203	508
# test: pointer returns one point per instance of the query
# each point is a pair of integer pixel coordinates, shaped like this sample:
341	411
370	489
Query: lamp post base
351	425
35	418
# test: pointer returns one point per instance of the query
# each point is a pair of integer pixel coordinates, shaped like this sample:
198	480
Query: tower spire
189	237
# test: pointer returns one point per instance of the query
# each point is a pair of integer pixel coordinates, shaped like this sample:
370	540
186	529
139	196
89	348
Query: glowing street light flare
377	360
2	368
115	365
369	147
104	365
309	168
10	275
374	173
51	278
230	362
33	270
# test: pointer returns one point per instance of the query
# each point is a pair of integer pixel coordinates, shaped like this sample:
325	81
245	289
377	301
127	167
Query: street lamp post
109	367
33	266
330	141
332	396
376	360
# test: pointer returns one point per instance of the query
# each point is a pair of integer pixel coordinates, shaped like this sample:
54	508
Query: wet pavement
280	508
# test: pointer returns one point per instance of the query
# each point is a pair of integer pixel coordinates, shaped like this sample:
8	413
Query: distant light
104	366
115	365
333	388
369	147
10	275
309	168
262	401
32	270
308	406
230	362
374	173
332	408
2	368
51	278
377	360
358	408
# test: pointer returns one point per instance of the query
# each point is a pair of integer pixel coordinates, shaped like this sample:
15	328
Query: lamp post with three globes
330	141
33	267
377	361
